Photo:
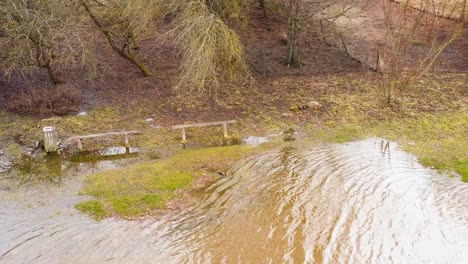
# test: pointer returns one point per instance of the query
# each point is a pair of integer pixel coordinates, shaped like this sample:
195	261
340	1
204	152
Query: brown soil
363	34
266	43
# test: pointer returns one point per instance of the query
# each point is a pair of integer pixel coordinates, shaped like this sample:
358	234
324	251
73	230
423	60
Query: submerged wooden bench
216	123
78	139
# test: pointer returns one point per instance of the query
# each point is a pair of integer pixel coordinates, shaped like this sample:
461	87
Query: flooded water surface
361	202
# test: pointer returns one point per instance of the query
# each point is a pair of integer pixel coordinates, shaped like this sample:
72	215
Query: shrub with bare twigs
45	100
404	27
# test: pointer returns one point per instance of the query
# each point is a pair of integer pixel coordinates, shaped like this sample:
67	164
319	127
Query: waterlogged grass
438	140
94	209
132	205
143	188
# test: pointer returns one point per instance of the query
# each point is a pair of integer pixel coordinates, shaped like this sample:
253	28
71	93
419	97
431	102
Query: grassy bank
438	140
145	188
428	121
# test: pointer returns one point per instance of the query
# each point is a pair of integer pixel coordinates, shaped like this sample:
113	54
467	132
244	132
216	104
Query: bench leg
79	145
127	144
225	132
184	137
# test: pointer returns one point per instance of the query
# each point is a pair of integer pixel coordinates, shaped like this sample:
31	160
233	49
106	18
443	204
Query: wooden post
78	143
184	138
225	132
127	145
50	139
377	66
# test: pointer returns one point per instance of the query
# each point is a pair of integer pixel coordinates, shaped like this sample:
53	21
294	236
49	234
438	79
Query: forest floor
429	120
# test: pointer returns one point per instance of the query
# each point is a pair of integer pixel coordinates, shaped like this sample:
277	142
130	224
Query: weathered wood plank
215	123
79	144
127	144
225	132
204	124
101	135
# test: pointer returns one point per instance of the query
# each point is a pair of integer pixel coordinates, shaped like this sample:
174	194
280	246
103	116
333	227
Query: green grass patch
132	205
462	168
93	208
137	190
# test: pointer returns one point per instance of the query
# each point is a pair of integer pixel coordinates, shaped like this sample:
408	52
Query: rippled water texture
362	202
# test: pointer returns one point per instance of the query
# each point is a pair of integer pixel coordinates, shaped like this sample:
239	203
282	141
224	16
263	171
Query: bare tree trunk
126	55
293	58
43	60
263	6
463	14
52	75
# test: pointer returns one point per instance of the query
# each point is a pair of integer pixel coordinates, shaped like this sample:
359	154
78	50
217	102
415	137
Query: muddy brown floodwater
361	202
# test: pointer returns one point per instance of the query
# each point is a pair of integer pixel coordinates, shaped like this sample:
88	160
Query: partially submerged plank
102	135
79	144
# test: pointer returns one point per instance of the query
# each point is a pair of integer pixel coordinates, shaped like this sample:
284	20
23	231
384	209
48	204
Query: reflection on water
52	168
5	164
54	165
112	153
255	141
362	202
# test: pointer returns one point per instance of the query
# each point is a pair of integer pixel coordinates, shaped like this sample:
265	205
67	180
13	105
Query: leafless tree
304	15
123	23
39	34
406	27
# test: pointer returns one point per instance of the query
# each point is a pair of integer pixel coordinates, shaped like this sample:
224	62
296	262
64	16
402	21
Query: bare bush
304	15
45	100
406	28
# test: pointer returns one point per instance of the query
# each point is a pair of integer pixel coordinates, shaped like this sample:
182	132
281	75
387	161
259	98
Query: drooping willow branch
128	40
210	50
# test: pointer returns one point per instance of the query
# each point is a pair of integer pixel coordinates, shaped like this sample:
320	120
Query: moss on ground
143	188
93	208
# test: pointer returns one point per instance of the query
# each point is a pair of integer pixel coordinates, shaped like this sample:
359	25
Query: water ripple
352	203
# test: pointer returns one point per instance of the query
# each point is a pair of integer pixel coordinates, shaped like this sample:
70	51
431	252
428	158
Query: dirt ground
363	34
326	70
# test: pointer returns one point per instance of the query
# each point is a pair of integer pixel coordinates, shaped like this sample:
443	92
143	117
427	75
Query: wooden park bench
79	144
216	123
